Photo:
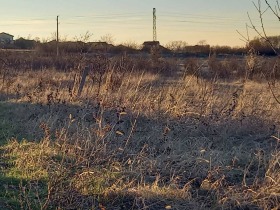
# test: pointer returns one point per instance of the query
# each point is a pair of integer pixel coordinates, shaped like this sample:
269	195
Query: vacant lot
139	134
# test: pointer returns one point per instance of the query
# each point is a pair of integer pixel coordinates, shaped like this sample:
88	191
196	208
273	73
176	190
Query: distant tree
83	37
177	46
228	50
132	45
109	38
202	42
260	46
37	39
81	42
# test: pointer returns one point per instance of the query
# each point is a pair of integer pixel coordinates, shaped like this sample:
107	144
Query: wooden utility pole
154	25
57	41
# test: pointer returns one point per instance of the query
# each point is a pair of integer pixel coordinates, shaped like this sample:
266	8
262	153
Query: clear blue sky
215	21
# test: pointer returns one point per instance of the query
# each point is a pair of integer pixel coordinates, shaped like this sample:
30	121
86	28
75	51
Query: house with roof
6	38
148	45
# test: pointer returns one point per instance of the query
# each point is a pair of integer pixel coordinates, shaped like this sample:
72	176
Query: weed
141	135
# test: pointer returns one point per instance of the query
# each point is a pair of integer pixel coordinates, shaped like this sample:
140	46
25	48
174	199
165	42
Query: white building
6	38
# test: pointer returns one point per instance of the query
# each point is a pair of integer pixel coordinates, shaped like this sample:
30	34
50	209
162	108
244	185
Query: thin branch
274	11
264	35
244	38
247	30
258	8
277	2
274	96
263	29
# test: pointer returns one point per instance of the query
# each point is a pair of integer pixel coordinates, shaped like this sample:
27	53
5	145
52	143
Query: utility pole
57	40
154	25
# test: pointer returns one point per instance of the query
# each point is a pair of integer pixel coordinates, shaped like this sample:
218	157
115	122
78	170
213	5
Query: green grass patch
20	187
10	192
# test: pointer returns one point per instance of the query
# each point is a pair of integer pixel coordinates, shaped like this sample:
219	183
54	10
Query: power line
167	20
164	16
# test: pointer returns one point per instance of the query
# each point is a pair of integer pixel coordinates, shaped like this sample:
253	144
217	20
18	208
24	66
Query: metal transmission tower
154	25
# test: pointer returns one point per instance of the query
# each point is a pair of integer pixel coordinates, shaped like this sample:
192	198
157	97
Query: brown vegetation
143	134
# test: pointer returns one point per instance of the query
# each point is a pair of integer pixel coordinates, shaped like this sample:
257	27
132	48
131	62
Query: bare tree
109	38
177	46
132	44
202	42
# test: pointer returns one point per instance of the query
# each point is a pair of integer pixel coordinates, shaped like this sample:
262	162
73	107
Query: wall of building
6	38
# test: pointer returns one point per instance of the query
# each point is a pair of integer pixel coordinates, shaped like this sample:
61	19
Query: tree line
181	48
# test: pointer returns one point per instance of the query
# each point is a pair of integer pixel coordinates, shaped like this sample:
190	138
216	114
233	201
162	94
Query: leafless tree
109	38
176	46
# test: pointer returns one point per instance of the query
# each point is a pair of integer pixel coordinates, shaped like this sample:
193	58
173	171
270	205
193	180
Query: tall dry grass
136	139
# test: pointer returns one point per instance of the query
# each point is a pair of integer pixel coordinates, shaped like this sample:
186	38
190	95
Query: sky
215	21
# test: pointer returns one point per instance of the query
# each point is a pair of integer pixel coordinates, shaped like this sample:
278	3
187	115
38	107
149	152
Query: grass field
139	139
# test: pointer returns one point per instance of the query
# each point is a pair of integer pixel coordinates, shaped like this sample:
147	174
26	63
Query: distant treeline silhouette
178	48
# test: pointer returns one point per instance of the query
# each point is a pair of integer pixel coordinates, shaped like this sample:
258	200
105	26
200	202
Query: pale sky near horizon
215	21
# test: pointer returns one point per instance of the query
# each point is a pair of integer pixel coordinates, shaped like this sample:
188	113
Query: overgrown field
140	134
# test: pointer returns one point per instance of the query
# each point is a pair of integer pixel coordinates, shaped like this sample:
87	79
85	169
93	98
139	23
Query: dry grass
135	139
